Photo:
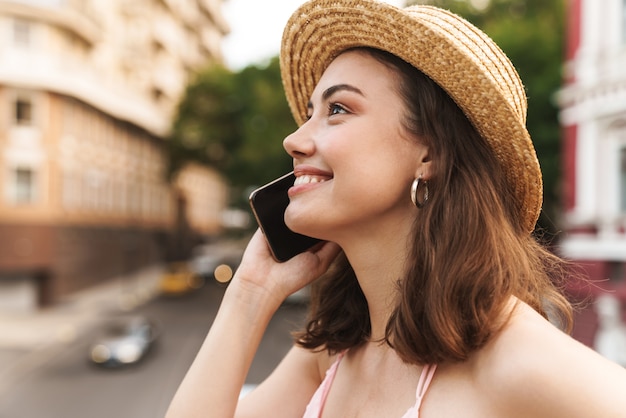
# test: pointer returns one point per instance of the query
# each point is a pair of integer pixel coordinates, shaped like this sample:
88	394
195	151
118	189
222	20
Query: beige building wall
88	89
207	196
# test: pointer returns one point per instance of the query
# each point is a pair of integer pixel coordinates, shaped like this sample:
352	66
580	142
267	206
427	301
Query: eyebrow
334	89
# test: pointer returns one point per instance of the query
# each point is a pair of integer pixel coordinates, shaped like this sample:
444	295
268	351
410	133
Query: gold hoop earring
414	187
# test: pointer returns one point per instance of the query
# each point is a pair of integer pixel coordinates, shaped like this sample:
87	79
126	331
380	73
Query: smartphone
268	204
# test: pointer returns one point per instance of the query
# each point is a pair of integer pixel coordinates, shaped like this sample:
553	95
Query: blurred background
131	133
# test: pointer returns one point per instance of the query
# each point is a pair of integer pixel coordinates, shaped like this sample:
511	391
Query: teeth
306	179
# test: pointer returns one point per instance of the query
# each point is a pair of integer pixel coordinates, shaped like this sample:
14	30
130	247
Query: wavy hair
469	253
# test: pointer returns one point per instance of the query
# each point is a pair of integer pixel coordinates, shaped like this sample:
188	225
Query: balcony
71	15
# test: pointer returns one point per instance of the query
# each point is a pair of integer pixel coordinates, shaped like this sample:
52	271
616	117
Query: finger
319	258
327	252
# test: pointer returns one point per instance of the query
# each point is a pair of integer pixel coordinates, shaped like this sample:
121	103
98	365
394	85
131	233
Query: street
66	385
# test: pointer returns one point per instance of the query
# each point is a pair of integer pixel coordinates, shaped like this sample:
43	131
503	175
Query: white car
124	341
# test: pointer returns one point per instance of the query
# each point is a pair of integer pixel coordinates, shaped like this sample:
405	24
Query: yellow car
179	279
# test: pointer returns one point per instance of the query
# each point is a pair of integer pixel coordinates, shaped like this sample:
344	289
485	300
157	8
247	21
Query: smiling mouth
307	179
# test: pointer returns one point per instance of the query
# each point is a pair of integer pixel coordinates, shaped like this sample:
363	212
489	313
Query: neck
379	269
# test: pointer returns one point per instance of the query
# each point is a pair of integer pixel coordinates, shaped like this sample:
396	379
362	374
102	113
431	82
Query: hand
259	272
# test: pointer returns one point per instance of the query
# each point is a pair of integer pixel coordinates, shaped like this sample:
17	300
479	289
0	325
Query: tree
207	127
531	33
234	122
266	122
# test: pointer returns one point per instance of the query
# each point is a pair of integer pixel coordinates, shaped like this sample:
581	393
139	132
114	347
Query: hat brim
461	59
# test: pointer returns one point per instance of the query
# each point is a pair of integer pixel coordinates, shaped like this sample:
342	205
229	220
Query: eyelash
332	107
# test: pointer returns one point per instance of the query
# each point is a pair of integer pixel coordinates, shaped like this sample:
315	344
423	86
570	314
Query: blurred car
180	279
123	341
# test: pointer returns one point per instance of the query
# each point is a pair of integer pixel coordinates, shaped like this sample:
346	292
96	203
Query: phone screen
268	204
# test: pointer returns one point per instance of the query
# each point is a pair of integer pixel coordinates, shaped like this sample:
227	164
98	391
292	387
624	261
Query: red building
593	117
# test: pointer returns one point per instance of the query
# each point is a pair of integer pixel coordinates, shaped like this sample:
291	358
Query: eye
336	109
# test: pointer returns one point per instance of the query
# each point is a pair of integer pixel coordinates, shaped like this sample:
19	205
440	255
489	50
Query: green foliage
266	122
206	129
531	33
234	122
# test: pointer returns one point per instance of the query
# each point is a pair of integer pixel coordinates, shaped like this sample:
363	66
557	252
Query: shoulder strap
331	372
424	382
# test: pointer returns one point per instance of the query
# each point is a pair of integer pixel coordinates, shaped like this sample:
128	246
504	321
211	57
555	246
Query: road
67	386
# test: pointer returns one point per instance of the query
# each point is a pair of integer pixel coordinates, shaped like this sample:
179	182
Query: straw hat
466	63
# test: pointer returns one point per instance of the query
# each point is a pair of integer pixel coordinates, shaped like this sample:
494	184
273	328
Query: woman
415	167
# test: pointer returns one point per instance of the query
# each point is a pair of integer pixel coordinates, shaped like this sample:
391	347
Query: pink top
316	404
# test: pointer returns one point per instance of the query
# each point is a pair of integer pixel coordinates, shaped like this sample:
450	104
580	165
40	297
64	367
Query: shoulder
311	363
289	388
531	368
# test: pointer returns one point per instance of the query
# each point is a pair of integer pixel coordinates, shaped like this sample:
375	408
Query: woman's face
353	159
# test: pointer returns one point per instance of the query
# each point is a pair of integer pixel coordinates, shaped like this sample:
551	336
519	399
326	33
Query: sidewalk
28	339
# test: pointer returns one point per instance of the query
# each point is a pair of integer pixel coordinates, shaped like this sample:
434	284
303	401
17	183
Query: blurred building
593	116
88	89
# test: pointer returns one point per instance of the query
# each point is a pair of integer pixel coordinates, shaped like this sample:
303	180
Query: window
23	110
21	33
622	179
24	185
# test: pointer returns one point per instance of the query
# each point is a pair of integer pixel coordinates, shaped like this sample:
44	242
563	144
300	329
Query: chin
297	227
300	226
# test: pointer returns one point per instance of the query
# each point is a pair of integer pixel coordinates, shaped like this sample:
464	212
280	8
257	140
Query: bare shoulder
287	391
318	362
531	368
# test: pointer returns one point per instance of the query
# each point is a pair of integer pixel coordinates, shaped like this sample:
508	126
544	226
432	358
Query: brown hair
470	253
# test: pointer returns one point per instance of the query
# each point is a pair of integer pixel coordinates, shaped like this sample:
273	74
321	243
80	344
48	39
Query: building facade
593	117
88	89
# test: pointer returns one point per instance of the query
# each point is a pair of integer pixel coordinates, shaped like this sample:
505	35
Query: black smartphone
268	204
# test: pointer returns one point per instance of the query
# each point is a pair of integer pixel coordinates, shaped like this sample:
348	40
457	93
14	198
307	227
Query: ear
424	163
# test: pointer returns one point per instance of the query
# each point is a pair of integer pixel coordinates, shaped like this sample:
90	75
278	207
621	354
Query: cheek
380	184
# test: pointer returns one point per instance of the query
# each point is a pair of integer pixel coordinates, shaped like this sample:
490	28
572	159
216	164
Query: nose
299	144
